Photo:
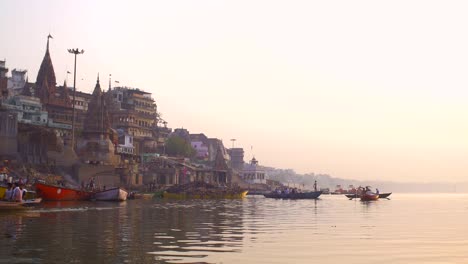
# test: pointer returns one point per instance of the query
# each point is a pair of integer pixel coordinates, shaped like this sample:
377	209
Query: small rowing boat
113	194
381	195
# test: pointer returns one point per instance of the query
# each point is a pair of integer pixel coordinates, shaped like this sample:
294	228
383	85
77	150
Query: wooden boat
384	195
26	204
113	194
206	195
381	195
60	193
2	191
29	194
369	196
305	195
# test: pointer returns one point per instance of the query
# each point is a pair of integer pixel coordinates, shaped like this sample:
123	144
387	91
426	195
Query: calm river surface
409	228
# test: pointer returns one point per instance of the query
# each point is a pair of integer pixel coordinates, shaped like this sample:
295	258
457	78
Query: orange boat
60	193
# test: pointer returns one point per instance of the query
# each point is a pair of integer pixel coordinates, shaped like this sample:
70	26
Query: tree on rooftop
177	146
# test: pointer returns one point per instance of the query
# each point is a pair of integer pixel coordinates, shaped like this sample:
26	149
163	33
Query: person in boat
376	191
24	191
17	193
315	185
8	192
362	190
91	184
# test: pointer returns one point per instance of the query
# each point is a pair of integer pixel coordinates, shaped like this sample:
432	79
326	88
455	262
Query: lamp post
233	140
76	52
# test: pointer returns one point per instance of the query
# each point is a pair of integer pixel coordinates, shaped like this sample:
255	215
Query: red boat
369	196
60	193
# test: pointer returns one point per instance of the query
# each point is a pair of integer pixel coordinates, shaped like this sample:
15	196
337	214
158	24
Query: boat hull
381	195
114	194
2	192
58	193
306	195
369	197
26	204
29	194
239	195
384	195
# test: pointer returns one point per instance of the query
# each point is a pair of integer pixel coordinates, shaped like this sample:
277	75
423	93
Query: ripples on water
407	229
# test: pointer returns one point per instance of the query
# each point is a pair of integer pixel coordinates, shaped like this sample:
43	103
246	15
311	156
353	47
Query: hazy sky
356	89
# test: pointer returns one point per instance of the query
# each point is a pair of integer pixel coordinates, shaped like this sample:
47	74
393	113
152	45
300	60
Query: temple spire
110	76
97	89
48	37
45	80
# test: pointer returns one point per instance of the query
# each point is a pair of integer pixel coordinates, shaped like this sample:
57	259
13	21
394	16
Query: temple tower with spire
96	146
56	101
46	81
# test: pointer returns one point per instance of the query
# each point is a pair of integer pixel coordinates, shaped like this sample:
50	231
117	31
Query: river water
409	228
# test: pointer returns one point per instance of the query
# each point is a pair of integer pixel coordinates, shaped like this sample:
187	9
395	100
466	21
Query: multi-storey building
3	80
8	135
27	108
200	143
135	113
81	102
237	158
17	81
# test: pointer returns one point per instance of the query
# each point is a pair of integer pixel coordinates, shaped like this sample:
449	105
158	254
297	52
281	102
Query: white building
253	173
125	145
16	82
28	109
201	149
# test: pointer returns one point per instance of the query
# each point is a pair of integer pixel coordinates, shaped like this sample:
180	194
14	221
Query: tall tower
96	146
3	80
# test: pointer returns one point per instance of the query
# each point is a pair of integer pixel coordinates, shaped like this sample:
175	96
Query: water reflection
190	231
254	230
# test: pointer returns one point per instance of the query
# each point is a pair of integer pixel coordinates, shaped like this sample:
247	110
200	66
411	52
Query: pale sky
368	90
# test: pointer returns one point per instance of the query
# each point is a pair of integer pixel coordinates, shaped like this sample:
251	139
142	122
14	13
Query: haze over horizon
363	90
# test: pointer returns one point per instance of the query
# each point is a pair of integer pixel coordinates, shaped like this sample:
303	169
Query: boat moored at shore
113	194
60	193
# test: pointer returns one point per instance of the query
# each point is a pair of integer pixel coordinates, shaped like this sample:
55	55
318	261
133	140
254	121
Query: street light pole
76	52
